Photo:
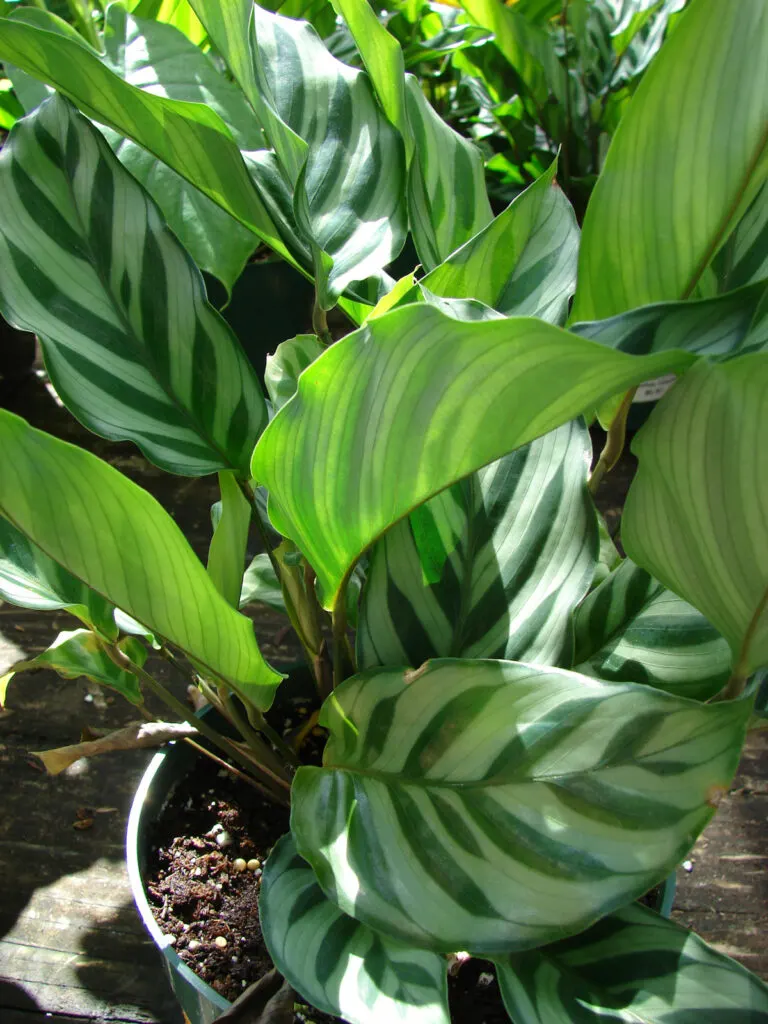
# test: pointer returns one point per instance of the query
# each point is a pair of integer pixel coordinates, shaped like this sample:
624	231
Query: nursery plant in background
528	732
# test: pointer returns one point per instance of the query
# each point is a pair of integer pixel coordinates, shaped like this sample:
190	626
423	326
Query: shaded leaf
633	967
132	346
337	964
283	368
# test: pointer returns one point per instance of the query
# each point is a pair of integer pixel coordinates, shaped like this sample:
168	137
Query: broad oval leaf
497	806
633	630
409	404
30	579
133	348
337	964
697	512
114	536
524	262
517	545
688	157
78	653
633	967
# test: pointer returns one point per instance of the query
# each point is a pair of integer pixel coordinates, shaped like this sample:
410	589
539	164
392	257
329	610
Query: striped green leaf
188	137
688	157
159	59
524	262
516	545
78	653
343	157
744	257
114	536
409	404
335	147
447	200
695	516
226	555
632	630
132	346
171	12
633	967
283	369
30	579
496	806
718	327
337	964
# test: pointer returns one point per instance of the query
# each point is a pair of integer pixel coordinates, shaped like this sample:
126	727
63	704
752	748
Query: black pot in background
17	356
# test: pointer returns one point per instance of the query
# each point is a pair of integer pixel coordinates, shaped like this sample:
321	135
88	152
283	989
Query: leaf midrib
717	238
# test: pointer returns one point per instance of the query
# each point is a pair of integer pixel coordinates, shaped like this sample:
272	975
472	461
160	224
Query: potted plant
528	732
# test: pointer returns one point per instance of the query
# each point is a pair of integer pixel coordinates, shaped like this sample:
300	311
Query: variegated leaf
345	160
409	404
633	967
78	653
113	535
261	584
524	262
497	806
173	130
284	368
696	515
132	346
744	257
631	629
718	327
337	964
30	579
689	157
516	545
447	199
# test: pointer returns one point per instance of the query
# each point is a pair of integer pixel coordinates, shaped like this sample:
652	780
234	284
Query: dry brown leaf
132	737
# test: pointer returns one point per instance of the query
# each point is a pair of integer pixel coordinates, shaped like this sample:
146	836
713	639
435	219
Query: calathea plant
528	732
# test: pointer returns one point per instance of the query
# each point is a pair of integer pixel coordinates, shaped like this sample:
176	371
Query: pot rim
160	939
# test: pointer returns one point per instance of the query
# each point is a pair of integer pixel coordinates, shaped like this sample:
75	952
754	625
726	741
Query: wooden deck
71	945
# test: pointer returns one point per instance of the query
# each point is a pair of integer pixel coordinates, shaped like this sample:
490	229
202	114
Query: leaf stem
614	443
343	657
126	665
320	324
738	680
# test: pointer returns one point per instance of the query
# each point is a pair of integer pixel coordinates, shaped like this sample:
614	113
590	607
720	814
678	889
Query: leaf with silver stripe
497	806
524	262
286	365
516	545
132	346
632	967
631	629
337	964
718	328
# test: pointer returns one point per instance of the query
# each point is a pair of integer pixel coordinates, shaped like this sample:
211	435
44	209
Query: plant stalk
343	658
614	443
738	680
126	665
